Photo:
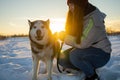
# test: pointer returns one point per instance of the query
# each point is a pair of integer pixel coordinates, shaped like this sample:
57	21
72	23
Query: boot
94	77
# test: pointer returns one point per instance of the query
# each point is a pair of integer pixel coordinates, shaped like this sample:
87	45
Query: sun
57	25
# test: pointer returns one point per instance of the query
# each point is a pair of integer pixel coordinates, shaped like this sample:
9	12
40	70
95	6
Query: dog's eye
34	27
42	26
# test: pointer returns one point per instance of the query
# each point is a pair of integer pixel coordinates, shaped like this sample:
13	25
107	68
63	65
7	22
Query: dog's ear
48	21
29	22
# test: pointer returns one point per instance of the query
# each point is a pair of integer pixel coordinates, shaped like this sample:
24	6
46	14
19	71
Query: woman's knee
74	57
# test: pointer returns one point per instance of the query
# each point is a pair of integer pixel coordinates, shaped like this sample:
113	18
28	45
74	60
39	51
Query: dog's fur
44	46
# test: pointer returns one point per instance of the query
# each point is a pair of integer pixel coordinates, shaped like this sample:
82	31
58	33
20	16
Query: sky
14	14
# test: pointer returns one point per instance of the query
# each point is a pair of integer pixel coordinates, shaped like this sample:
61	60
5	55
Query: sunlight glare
57	25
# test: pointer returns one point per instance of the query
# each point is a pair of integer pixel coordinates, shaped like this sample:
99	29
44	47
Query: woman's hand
61	35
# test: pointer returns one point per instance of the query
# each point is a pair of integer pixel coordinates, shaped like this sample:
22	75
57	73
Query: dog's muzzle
38	35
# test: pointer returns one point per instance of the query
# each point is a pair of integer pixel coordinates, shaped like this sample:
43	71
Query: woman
85	32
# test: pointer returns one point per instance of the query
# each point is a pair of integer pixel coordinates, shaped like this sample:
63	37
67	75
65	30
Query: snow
16	62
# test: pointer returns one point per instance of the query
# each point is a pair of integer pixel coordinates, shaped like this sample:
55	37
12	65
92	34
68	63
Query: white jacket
94	33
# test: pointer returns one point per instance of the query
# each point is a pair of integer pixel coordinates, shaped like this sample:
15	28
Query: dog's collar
38	47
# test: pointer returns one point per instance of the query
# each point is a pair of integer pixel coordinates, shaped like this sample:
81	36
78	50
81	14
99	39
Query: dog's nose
38	32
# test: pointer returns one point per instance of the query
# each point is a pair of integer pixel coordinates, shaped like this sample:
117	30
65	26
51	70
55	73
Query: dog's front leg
49	68
35	68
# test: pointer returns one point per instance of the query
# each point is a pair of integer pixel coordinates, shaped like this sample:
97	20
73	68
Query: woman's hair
78	2
74	23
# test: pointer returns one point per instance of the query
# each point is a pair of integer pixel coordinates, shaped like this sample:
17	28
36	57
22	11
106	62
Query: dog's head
39	31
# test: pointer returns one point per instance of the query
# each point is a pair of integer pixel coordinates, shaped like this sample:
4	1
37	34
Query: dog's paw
34	79
49	78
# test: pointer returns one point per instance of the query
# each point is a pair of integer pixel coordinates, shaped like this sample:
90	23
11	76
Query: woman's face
71	7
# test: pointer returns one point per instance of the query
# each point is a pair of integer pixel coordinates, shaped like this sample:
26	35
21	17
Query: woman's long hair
74	23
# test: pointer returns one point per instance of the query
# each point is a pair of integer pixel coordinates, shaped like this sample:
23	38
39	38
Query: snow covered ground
16	62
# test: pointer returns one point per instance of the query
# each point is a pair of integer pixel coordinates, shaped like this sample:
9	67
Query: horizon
15	13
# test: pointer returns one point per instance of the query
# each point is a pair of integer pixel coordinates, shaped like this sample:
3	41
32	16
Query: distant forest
2	37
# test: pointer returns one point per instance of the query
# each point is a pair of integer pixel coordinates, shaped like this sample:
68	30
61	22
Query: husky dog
44	46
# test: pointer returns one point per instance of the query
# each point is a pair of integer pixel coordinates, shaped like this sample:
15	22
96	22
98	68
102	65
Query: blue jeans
86	60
